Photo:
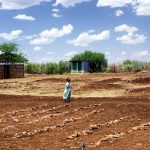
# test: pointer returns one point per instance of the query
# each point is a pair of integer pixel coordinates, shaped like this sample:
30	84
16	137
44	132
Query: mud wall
1	71
15	71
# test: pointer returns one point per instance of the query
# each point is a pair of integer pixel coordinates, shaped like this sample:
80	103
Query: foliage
146	66
128	66
48	68
97	60
11	53
135	66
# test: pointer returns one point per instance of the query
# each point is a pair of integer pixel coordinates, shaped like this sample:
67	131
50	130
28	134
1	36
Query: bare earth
106	112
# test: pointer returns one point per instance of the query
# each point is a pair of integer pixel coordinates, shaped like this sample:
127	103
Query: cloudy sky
53	30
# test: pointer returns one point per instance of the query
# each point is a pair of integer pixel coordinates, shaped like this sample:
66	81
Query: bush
132	66
48	68
128	66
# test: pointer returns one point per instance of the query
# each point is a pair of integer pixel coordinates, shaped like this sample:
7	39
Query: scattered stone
15	120
59	125
66	121
14	113
75	135
116	121
86	132
46	129
53	127
93	127
109	138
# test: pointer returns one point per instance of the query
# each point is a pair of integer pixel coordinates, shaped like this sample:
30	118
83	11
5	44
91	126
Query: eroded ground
88	85
107	112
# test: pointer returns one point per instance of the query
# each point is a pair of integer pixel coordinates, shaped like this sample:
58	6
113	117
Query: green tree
97	60
11	53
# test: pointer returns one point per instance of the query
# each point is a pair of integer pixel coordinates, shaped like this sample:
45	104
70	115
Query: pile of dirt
50	80
145	80
141	90
111	80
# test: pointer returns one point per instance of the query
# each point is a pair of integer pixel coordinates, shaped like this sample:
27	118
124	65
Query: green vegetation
48	68
63	67
98	63
11	53
129	66
97	60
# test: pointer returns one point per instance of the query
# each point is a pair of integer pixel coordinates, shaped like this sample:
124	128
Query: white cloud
29	37
56	15
141	53
44	59
41	41
49	36
51	53
123	53
130	37
119	13
70	54
140	7
24	17
84	39
67	56
12	35
107	53
126	28
55	10
56	33
50	58
20	4
91	31
37	48
113	3
69	3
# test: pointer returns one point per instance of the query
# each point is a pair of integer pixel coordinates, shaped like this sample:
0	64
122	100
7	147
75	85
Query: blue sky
53	30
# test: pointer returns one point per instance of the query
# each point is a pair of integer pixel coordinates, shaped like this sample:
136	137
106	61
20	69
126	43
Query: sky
54	30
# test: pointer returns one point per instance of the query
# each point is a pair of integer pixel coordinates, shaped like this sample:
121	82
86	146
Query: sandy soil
106	112
88	85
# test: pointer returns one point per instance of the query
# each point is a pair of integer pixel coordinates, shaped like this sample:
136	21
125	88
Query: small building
79	66
11	70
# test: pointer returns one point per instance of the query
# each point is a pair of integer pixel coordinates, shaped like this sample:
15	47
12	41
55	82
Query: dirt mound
145	89
51	80
105	84
145	80
112	80
97	86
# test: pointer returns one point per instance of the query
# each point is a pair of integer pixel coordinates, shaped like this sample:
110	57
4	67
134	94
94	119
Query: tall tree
10	53
97	60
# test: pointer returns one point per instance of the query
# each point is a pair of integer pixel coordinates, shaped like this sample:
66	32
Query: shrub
48	68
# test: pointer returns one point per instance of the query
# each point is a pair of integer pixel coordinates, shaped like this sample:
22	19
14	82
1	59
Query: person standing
67	91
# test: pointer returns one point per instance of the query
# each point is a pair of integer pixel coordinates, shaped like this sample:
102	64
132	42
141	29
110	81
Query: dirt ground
106	112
